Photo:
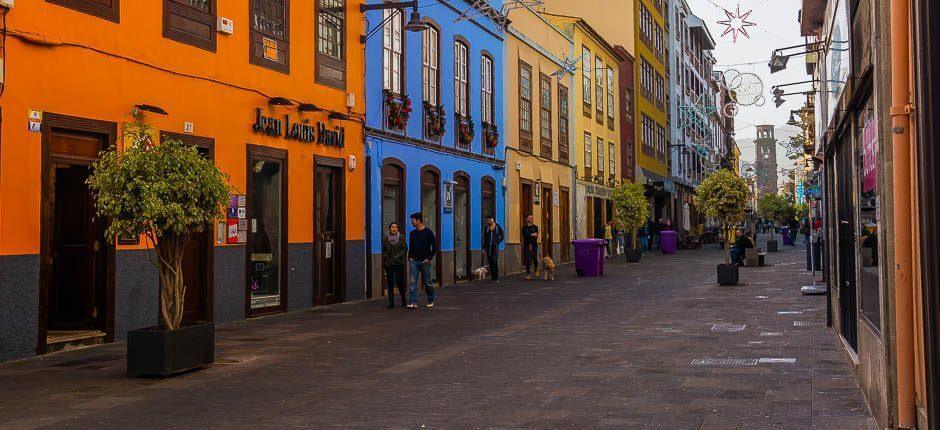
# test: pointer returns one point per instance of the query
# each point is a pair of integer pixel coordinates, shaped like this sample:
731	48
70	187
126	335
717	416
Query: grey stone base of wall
299	276
229	290
355	270
19	305
136	292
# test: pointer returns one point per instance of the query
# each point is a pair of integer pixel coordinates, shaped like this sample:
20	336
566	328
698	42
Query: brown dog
549	265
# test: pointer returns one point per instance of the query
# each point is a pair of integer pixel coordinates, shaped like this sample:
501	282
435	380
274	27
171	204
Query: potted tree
164	192
631	212
774	208
723	196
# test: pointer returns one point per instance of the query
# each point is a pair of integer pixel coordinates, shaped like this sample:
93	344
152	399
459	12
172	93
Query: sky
776	27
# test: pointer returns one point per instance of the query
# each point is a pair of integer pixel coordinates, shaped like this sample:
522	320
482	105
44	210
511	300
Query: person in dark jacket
492	237
423	247
394	253
530	246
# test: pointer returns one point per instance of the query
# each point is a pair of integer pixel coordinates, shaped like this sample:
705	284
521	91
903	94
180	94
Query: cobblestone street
651	345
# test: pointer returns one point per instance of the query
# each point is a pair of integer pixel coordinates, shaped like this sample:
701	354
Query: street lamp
414	24
778	62
792	120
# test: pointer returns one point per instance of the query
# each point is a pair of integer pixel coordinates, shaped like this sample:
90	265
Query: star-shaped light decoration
736	23
696	115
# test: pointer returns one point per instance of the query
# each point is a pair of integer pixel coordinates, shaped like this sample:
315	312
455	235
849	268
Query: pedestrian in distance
423	247
530	247
608	236
643	235
394	254
492	237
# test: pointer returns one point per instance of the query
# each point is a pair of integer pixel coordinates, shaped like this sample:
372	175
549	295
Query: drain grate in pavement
724	362
250	339
807	324
777	361
789	312
771	333
728	328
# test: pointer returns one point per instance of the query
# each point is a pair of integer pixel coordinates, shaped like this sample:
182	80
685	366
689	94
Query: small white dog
481	273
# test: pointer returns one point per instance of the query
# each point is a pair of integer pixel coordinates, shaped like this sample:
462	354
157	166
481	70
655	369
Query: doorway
267	231
848	302
597	224
547	221
76	263
431	211
462	261
198	251
525	202
329	234
564	218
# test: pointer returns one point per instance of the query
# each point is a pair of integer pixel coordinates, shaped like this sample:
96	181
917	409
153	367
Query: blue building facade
434	120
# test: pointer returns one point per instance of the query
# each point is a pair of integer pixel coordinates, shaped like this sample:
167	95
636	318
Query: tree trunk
172	289
727	244
633	238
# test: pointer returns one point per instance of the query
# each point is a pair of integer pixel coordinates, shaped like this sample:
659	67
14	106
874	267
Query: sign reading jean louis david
870	154
299	131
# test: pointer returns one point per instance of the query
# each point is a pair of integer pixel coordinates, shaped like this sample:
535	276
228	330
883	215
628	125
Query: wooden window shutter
192	22
269	39
107	9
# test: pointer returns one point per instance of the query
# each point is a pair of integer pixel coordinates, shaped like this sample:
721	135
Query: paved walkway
651	345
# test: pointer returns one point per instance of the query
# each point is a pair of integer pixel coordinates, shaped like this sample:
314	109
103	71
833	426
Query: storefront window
265	242
869	217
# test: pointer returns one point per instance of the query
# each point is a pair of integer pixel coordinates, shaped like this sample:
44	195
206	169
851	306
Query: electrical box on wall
350	100
226	25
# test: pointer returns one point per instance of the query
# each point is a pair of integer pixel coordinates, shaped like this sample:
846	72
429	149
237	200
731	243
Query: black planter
633	255
156	352
728	274
771	246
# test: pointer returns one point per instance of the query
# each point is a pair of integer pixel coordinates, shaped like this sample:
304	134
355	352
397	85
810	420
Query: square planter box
728	274
156	352
771	246
633	255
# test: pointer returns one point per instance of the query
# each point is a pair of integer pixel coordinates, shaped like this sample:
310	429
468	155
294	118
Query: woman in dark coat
394	254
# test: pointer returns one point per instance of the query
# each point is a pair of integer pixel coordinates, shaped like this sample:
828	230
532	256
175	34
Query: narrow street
634	349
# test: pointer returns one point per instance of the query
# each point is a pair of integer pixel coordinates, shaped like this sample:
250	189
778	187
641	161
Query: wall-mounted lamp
339	115
280	101
308	107
414	24
151	108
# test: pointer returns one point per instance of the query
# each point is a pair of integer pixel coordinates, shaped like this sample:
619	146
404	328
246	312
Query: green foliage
776	208
630	207
801	210
165	192
723	195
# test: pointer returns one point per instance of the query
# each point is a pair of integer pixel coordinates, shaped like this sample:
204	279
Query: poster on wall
838	59
448	196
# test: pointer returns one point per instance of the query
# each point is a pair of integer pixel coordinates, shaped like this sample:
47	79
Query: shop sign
838	59
870	155
299	131
236	221
538	193
448	196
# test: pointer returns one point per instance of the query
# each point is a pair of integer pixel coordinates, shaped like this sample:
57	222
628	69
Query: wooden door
547	222
564	226
525	203
197	254
462	261
328	235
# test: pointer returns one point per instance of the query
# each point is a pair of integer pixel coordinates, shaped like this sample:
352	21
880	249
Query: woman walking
394	252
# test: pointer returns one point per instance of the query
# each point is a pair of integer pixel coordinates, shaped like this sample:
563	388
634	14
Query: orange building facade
271	90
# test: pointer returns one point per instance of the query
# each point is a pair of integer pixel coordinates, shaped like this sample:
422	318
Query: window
486	99
461	83
107	9
586	79
610	98
545	114
648	135
525	106
392	51
660	143
563	147
600	156
599	88
191	22
331	43
646	79
660	91
613	160
588	154
269	35
430	66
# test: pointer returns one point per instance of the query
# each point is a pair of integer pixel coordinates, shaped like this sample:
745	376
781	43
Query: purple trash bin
667	242
589	257
785	231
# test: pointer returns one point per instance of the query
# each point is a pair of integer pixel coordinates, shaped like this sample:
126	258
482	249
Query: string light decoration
736	23
696	115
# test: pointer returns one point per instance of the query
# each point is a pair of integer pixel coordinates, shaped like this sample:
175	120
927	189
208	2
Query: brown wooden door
564	226
547	222
525	202
195	277
328	236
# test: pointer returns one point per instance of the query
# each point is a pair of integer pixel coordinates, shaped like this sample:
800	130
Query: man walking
530	244
492	237
420	253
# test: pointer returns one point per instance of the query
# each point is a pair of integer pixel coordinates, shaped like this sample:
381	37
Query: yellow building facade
595	129
539	172
652	122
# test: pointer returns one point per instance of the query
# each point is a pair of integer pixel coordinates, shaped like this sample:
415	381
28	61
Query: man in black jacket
492	237
530	246
422	248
